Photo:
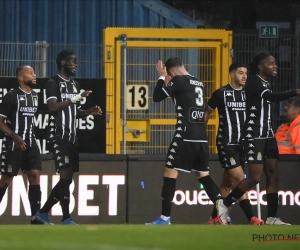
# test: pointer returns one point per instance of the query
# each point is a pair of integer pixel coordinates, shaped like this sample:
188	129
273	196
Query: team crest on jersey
35	101
74	88
232	161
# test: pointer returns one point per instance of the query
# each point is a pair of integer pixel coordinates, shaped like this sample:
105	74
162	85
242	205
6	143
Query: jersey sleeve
6	105
51	90
213	101
173	86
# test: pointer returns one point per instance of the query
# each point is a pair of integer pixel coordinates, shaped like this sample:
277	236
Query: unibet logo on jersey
196	115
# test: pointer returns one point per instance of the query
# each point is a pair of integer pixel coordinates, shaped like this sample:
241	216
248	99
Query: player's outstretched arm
16	138
278	97
54	106
92	111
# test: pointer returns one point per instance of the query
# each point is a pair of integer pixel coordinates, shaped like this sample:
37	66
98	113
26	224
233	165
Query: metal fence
140	65
285	50
42	56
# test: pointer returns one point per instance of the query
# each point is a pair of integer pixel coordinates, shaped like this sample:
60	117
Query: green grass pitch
142	237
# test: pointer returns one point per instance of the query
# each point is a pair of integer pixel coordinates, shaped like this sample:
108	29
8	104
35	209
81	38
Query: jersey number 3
199	99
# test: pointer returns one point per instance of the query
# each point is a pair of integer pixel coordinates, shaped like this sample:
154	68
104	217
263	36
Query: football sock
34	196
52	199
210	188
272	204
65	198
235	194
167	195
2	193
246	207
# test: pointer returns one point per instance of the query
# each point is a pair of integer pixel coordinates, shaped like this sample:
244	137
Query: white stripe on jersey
237	121
25	126
70	122
261	126
63	117
228	119
74	122
17	116
244	110
269	118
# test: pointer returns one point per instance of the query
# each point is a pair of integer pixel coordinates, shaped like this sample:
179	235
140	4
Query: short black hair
19	69
62	55
253	65
173	62
235	66
295	101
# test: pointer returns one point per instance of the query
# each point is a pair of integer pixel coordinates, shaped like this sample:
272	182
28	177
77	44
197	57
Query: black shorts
257	150
188	156
13	159
231	156
65	155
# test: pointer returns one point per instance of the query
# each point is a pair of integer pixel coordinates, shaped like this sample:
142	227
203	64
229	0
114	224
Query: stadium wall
80	21
122	189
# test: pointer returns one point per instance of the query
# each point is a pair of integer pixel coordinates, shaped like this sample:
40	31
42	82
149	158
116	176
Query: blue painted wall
72	21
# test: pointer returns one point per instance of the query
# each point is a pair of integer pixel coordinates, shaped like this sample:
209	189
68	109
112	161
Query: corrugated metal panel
72	21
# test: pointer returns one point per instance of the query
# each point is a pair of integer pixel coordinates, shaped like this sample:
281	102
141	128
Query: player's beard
68	71
30	84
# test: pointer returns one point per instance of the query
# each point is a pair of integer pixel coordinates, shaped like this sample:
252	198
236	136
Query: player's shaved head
20	69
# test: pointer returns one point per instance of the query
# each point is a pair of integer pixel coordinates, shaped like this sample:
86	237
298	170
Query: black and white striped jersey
65	120
258	122
231	107
187	93
19	108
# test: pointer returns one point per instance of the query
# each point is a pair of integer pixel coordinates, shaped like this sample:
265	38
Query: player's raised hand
96	110
86	93
20	144
161	69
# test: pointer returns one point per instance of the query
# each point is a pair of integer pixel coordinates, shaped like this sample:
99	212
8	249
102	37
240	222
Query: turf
142	237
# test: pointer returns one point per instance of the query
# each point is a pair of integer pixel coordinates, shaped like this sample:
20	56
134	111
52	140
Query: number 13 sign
137	97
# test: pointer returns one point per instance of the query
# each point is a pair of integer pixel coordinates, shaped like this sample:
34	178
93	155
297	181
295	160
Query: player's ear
260	67
63	62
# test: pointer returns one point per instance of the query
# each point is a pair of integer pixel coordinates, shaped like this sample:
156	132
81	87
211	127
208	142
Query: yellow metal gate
135	124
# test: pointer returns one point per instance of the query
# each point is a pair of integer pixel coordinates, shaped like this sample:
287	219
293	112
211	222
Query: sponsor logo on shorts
232	161
259	156
9	168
